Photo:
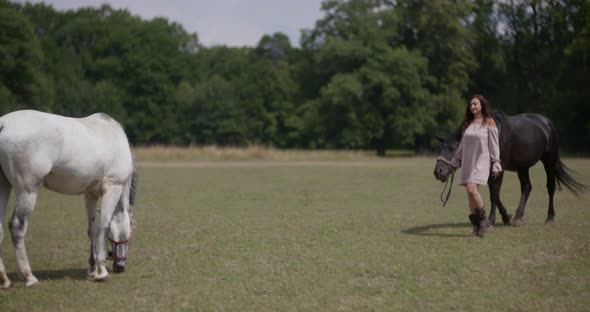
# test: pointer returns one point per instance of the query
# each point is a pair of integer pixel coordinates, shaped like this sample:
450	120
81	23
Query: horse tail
134	182
563	175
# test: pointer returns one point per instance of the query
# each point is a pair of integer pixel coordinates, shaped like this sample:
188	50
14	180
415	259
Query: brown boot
474	218
483	222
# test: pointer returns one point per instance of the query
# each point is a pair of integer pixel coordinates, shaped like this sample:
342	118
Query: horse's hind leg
4	194
91	203
25	203
551	183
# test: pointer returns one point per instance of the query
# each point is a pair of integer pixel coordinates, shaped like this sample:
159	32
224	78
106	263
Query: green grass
365	235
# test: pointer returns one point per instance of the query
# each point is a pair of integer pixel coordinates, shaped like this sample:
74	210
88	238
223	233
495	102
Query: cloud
229	22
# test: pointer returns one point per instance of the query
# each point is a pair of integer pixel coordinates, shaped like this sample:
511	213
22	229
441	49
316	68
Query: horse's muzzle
119	266
119	254
442	171
440	175
442	179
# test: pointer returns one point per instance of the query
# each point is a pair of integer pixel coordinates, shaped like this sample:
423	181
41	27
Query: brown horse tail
563	175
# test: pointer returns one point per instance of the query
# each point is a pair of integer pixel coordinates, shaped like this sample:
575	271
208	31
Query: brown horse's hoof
549	221
517	222
491	221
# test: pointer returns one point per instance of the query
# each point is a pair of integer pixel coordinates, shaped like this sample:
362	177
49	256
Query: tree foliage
371	74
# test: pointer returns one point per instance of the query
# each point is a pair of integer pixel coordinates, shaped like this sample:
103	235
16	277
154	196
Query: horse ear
441	140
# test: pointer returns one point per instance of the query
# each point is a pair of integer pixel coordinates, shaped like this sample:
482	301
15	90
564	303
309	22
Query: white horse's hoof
6	285
100	274
91	273
32	281
104	279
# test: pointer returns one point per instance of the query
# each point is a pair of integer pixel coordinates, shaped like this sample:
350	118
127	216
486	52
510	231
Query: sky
228	22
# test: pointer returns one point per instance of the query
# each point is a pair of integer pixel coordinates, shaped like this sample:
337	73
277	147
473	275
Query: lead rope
450	188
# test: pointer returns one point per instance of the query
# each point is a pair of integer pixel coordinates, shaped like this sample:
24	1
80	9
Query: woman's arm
494	148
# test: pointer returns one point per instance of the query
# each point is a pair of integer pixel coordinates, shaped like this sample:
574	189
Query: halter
448	162
120	242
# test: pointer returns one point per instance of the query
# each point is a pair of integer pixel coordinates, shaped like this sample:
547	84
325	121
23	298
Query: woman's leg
475	200
477	215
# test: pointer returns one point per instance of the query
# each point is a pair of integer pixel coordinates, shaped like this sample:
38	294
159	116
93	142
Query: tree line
371	74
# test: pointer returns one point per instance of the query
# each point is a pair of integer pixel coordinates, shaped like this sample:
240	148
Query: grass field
365	234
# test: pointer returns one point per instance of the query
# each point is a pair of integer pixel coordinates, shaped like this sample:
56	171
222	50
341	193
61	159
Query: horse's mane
459	133
499	115
501	119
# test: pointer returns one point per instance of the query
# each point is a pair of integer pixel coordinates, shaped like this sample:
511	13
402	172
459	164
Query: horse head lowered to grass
89	156
524	140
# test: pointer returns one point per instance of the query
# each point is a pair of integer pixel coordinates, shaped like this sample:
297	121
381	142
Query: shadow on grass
430	230
73	274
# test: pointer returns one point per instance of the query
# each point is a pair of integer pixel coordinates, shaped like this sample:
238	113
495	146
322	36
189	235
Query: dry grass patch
255	152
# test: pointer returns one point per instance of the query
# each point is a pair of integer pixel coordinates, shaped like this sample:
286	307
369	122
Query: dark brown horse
524	140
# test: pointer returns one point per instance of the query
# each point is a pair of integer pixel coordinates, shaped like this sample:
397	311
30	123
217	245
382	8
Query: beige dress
478	152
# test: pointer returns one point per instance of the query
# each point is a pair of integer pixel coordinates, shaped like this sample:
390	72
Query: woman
478	152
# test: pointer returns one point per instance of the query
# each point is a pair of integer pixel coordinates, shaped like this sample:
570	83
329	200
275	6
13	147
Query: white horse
89	156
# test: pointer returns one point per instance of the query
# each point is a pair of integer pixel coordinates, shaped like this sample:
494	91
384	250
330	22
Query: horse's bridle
121	242
448	162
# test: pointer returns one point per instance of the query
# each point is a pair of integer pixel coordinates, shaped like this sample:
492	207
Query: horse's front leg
525	191
91	203
495	185
25	203
492	216
110	197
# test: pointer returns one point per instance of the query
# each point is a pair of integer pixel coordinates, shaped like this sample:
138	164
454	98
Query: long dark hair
486	111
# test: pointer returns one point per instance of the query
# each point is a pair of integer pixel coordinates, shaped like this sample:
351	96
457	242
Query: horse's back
528	129
68	153
524	139
29	141
90	134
